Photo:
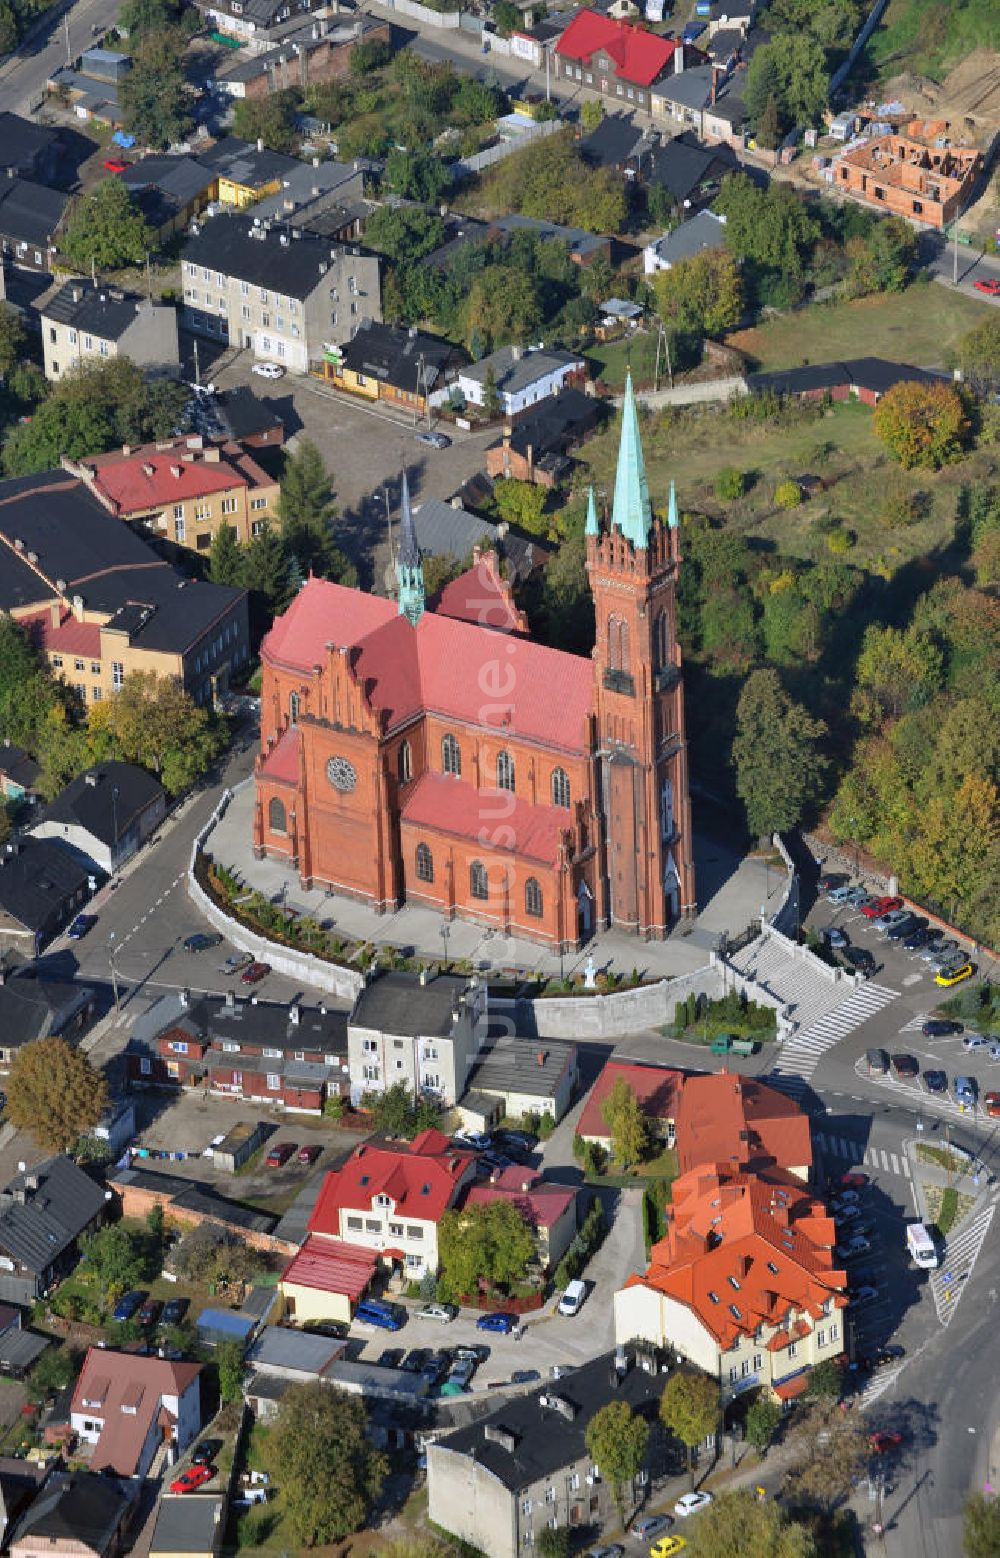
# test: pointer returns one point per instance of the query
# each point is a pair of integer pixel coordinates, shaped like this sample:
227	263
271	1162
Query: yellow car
954	976
667	1546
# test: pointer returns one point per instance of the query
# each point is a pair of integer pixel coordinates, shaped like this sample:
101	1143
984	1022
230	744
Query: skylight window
737	1314
734	1284
772	1268
713	1296
365	1178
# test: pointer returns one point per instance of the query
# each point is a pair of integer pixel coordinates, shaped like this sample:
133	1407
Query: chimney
260	143
77	294
55	614
423	977
185	998
78	607
540	1057
147	469
91	779
175	471
678	59
716	73
295	1014
515	354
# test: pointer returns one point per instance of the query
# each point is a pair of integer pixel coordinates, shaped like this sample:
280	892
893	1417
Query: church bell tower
633	564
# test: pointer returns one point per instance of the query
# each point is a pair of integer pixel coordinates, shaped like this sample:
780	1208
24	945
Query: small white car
268	370
690	1504
440	1312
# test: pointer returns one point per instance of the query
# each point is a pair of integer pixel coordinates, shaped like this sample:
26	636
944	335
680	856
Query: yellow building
244	172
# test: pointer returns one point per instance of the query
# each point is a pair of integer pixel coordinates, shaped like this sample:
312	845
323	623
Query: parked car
890	1353
255	972
936	1081
863	1294
444	1313
201	941
457	1380
610	1550
127	1305
434	440
954	976
477	1140
391	1357
524	1141
989	284
834	936
884	1440
888	921
374	1311
150	1312
204	1453
668	1546
905	928
846	1212
236	963
851	1248
310	1154
877	1061
940	1028
268	370
847	1194
940	950
415	1360
690	1503
115	165
500	1321
921	937
81	925
194	1477
905	1066
833	882
861	959
991	1103
966	1090
876	907
174	1311
333	1330
280	1154
650	1526
853	1180
435	1368
478	1353
973	1041
856	896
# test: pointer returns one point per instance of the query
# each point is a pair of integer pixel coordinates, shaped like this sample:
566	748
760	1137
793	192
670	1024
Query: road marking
961	1253
912	979
914	1023
895	1162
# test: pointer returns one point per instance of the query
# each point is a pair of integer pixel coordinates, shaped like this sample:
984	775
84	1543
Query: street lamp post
114	828
444	937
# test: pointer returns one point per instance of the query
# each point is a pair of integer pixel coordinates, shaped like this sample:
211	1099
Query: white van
573	1297
921	1246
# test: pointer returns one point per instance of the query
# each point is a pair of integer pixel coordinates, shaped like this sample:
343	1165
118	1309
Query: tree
981	1526
738	1525
885	261
229	1361
979	355
506	17
831	1447
225	560
107	229
27	690
11	339
690	1408
769	126
763	1417
771	227
307	512
521	503
503	306
267	568
417	175
139	17
702	295
8	29
922	425
403	232
776	750
55	1369
369	56
591	115
330	1472
489	1244
550	181
269	119
618	1442
154	722
54	1092
825	1381
395	1111
491	395
791	70
153	96
628	1125
57	428
554	1543
119	1258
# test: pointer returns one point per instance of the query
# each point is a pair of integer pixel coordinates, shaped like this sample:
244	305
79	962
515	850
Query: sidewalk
737	890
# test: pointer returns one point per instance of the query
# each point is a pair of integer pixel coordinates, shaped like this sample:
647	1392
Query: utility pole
197	368
662	339
548	75
69	57
954	251
114	971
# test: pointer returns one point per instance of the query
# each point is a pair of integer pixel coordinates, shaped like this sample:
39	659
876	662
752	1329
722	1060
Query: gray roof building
41	887
43	1212
396	1002
18	768
704	231
521	1065
190	1195
79	1508
30	216
405	360
34	1005
582	246
242	161
188	1525
106	805
279	1349
263	257
106	312
28	149
310	187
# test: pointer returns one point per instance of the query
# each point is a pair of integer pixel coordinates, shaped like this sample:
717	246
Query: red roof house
548	1209
657	1090
618	59
738	1122
127	1406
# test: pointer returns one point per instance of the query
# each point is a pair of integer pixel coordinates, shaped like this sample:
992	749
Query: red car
309	1154
279	1155
255	973
885	1441
880	906
991	1103
115	165
991	287
194	1477
853	1181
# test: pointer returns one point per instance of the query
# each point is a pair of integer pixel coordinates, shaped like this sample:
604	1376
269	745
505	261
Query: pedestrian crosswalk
802	1053
915	1024
961	1253
856	1153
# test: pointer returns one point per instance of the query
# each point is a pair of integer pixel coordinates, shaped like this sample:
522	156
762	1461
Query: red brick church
429	752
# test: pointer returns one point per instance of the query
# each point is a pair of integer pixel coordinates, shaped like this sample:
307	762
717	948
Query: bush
788	494
334	1107
841	540
546	1125
730	484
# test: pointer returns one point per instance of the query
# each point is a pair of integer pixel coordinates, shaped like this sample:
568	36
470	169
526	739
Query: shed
240	1144
225	1325
104	64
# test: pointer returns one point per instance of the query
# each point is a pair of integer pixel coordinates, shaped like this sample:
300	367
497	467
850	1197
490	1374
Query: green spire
409	566
631	511
593	528
672	509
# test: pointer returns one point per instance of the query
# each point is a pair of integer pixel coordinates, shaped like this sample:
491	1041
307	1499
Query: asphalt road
24	74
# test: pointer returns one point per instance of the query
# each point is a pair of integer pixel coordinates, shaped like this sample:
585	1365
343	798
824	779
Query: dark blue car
128	1304
498	1322
81	925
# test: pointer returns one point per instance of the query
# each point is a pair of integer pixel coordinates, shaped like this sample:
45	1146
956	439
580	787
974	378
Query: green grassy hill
932	36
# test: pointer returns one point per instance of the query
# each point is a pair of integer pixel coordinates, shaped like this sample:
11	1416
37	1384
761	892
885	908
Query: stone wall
138	1202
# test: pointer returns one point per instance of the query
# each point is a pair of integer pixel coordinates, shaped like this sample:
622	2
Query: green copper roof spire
409	566
592	528
672	509
631	511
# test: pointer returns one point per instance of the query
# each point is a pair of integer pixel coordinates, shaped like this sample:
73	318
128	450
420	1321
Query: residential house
426	1031
689	172
183	488
537	446
42	888
385	362
44	1212
105	814
20	1481
99	603
169	191
919	175
738	1121
702	99
127	1407
657	1091
20	1350
82	320
532	44
284	295
382	1207
248	19
18	773
243	173
30	218
188	1527
318	54
28	150
618	59
77	1514
89	87
324	197
449	530
292	1057
521	378
615	143
548	1209
704	231
524	1468
518	1076
866	378
582	247
35	1004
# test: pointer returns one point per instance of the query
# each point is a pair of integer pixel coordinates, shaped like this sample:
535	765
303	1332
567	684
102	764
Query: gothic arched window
505	771
661	640
533	898
404	760
276	818
451	755
619	652
425	863
479	885
560	787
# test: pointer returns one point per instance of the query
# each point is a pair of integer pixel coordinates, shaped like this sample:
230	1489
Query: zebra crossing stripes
857	1152
961	1253
915	1024
802	1053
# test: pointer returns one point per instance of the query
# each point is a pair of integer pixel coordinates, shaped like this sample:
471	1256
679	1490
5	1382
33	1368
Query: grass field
919	326
928	37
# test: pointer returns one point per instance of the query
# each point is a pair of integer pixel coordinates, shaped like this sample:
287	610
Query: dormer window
365	1178
772	1268
382	1201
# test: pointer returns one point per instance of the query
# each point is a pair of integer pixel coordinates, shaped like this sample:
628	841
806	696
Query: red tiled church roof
446	804
640	56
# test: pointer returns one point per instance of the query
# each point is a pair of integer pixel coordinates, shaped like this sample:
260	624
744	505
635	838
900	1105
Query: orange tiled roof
736	1121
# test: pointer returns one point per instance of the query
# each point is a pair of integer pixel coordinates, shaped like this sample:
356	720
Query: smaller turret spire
672	508
631	512
409	565
592	527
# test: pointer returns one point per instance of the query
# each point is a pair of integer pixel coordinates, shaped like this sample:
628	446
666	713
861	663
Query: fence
700	393
492	154
786	916
844	70
424	13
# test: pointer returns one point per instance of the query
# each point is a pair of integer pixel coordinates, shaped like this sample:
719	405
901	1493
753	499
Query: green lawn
919	326
929	38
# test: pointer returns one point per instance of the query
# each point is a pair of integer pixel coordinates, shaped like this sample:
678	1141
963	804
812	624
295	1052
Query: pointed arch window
425	863
661	641
293	708
404	761
619	648
533	898
560	787
277	820
451	755
479	885
505	771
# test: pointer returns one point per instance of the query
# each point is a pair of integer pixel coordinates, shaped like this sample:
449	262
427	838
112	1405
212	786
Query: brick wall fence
138	1202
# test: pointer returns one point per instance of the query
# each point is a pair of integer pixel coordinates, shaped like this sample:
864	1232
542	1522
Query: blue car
81	925
127	1306
498	1322
386	1317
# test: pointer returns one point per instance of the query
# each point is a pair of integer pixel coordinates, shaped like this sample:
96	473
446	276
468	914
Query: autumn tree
922	425
491	1244
762	1419
119	1259
978	355
232	1370
107	229
329	1470
154	95
55	1093
777	753
829	1448
12	337
618	1441
627	1124
690	1408
739	1525
503	306
702	295
521	503
154	722
981	1526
